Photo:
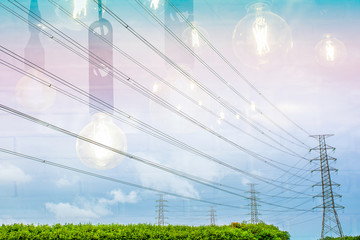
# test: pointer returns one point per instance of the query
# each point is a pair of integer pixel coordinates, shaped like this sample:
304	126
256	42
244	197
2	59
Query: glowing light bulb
34	95
219	121
80	7
260	30
330	51
200	102
154	4
101	129
237	116
261	37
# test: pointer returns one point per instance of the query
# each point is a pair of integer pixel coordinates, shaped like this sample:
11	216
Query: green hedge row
241	231
344	238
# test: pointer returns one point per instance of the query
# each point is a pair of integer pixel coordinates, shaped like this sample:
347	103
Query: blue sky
319	98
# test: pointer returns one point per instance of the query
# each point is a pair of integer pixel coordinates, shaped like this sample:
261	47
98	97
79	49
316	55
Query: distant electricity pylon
212	216
330	222
160	210
253	204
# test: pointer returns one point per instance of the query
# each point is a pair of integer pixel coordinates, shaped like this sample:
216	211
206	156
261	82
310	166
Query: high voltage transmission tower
212	216
160	210
330	222
253	204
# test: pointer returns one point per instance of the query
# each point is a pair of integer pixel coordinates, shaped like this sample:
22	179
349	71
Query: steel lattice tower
330	222
253	204
212	216
160	210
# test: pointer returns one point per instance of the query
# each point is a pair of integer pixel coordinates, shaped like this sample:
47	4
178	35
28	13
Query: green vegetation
241	231
344	238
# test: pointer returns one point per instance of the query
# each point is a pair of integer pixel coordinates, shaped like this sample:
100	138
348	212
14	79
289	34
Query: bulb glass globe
261	37
101	129
34	95
330	51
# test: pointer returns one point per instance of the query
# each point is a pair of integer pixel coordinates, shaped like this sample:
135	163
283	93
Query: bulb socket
250	3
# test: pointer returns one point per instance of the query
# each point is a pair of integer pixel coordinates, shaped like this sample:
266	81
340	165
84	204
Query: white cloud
84	209
65	181
155	178
197	166
256	172
66	210
11	173
245	181
119	197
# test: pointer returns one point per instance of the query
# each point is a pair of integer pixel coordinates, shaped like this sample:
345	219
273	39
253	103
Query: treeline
344	238
241	231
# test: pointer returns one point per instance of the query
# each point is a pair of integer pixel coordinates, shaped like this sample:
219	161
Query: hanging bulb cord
100	9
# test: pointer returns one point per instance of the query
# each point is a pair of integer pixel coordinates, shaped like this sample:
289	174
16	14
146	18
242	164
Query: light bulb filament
101	135
195	38
79	8
260	30
330	51
154	4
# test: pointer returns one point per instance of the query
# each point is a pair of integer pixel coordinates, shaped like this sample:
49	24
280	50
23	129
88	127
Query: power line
217	98
110	178
167	29
131	156
128	81
297	215
119	181
99	109
306	221
203	179
234	68
261	156
155	98
303	168
291	152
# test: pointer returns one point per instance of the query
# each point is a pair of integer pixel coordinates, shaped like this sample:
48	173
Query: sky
220	116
